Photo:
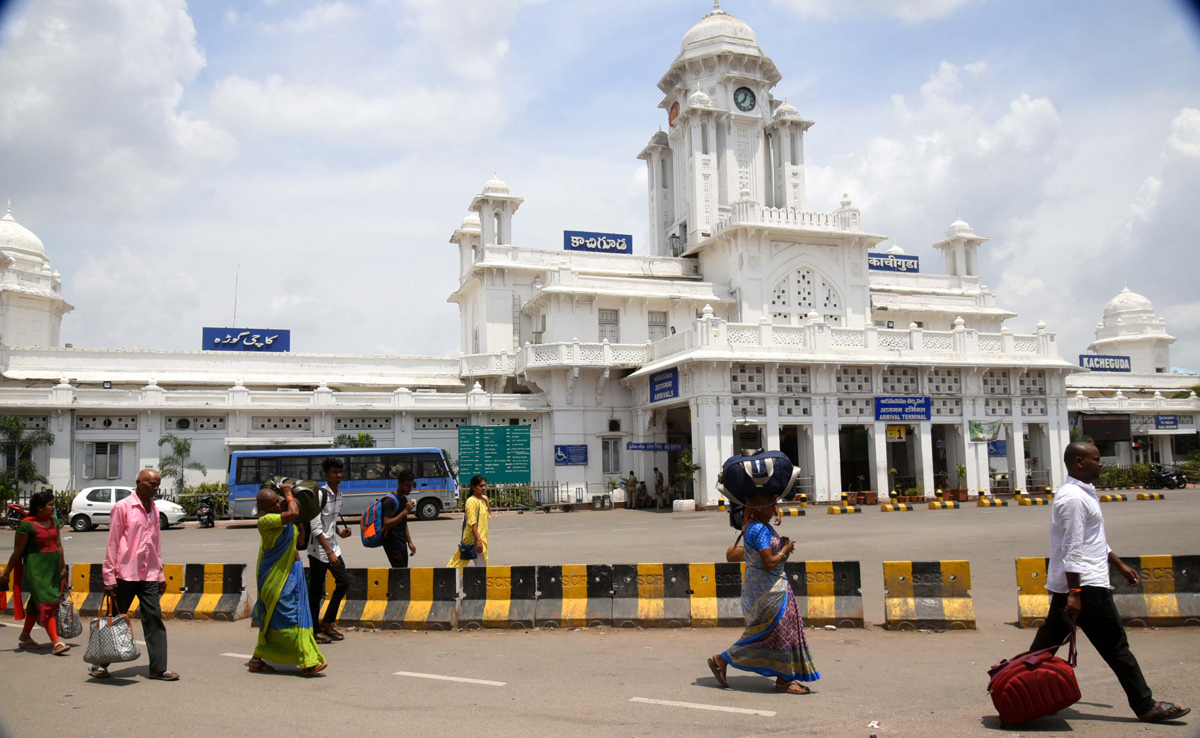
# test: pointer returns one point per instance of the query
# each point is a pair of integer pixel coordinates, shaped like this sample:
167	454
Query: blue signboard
246	339
664	385
998	449
574	455
654	447
902	408
608	243
1098	363
893	263
1166	422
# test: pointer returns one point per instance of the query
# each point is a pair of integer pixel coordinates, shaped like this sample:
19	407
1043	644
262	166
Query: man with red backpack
397	544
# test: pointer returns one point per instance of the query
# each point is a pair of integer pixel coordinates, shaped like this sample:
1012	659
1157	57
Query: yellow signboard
897	433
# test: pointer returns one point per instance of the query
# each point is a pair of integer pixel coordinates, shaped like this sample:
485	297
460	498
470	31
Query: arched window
498	234
803	292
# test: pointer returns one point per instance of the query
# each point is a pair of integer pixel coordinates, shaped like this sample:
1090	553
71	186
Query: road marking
238	655
439	677
699	706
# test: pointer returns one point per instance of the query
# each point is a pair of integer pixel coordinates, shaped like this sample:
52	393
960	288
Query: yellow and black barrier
193	592
651	596
715	595
397	599
843	509
1151	496
1167	595
828	592
790	512
897	507
1113	498
722	505
928	594
573	596
8	605
943	505
1027	501
990	502
498	597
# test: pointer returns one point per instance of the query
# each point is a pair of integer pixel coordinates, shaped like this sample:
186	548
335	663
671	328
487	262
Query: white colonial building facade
748	321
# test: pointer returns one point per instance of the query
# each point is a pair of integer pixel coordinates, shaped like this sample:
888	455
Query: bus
368	474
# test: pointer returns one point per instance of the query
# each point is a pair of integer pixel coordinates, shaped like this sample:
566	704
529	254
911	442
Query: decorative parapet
576	354
502	364
746	212
1080	402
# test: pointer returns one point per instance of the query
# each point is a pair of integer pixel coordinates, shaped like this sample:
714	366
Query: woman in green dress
37	568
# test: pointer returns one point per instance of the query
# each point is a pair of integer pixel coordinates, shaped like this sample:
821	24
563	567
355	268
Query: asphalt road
625	683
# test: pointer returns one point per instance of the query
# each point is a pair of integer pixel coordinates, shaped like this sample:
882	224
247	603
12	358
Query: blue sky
330	148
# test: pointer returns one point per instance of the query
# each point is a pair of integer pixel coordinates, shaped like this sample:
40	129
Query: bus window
298	467
256	471
367	466
430	467
398	462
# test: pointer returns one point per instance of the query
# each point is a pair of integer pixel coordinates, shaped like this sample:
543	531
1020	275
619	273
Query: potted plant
959	493
852	498
685	472
868	498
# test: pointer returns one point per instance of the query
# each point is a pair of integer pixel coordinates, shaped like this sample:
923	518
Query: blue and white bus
368	474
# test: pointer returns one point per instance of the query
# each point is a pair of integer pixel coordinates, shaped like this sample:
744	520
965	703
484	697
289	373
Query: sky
323	151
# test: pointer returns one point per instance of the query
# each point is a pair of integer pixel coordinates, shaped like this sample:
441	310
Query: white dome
1128	302
495	186
470	222
699	99
717	25
895	249
959	226
16	237
786	109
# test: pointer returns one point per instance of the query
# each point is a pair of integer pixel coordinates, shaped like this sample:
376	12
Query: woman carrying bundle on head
773	643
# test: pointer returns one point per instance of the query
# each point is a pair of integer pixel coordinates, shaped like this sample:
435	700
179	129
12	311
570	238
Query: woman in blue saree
285	634
773	643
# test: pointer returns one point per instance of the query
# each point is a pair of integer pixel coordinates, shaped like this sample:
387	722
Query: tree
177	463
362	440
685	470
17	445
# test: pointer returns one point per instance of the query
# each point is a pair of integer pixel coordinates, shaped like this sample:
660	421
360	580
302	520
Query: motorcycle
1162	478
14	514
206	513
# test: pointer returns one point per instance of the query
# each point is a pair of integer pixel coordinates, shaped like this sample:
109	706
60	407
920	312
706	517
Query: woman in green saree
282	612
37	568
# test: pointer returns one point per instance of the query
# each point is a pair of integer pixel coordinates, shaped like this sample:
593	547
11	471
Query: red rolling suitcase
1034	683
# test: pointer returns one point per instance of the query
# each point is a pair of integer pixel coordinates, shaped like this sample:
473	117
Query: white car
93	506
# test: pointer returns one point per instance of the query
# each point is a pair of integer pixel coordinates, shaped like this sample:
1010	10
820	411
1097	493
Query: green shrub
62	505
219	491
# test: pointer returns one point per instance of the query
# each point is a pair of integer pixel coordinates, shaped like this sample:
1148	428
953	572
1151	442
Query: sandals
332	633
1164	711
313	670
60	648
719	672
166	676
99	672
792	688
28	643
258	666
322	638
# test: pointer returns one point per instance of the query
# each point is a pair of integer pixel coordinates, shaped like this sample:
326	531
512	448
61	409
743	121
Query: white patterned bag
111	639
69	624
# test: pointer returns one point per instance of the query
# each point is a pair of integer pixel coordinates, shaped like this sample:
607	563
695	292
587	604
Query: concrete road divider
716	595
194	591
990	502
1033	601
828	592
1167	595
1151	496
1027	501
651	596
943	505
791	512
928	594
1113	498
897	507
398	599
573	596
498	597
366	600
843	509
722	505
8	605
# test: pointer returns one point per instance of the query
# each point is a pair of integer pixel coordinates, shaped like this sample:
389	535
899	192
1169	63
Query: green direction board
498	452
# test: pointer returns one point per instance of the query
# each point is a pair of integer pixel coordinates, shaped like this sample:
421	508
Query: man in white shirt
1078	579
325	554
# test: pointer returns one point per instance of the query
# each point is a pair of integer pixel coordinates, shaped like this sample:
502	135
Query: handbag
736	553
1035	683
111	638
67	620
466	551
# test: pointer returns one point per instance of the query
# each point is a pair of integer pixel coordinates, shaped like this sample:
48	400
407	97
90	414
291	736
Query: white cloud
909	11
316	17
1184	140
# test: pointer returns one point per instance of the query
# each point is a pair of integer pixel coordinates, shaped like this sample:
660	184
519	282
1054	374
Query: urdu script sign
246	339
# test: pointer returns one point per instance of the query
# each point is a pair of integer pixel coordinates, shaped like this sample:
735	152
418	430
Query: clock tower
727	138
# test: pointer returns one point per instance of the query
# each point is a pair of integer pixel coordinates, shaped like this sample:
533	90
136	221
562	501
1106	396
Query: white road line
698	706
439	677
238	655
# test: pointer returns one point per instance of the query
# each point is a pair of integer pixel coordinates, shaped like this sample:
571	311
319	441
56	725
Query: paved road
603	682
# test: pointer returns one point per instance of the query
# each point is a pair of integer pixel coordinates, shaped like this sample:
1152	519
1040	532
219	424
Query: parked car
93	506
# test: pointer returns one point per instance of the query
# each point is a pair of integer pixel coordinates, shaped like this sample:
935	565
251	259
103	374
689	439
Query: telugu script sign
654	447
902	408
664	385
893	263
499	452
246	339
1099	363
609	243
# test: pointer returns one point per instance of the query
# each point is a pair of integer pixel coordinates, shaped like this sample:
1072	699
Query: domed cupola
31	303
1131	328
18	242
718	27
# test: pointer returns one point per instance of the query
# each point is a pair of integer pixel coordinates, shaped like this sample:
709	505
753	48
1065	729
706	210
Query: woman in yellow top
475	527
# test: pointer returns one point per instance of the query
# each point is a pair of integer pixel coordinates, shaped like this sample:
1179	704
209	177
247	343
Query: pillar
1016	452
879	457
827	454
925	457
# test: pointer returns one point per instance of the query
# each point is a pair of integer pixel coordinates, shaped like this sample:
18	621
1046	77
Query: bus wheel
428	510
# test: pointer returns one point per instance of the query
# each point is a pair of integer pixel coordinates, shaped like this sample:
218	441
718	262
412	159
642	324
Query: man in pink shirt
133	567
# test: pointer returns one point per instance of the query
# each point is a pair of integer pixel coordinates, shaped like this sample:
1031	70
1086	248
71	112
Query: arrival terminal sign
498	452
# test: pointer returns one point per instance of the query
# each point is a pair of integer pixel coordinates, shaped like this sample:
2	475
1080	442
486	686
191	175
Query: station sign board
654	447
664	385
997	449
1098	363
902	408
498	452
897	433
602	243
1166	422
571	455
1107	427
893	263
246	339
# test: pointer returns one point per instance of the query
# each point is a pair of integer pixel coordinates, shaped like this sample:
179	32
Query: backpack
765	472
307	534
371	531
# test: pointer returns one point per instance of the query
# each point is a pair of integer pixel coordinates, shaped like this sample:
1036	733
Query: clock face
671	116
743	97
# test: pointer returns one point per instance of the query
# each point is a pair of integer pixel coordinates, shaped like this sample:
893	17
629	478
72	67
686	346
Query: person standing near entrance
133	568
325	554
658	486
631	486
397	543
1077	578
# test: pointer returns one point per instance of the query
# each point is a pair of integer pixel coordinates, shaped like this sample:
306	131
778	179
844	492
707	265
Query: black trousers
149	606
316	589
397	557
1099	621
